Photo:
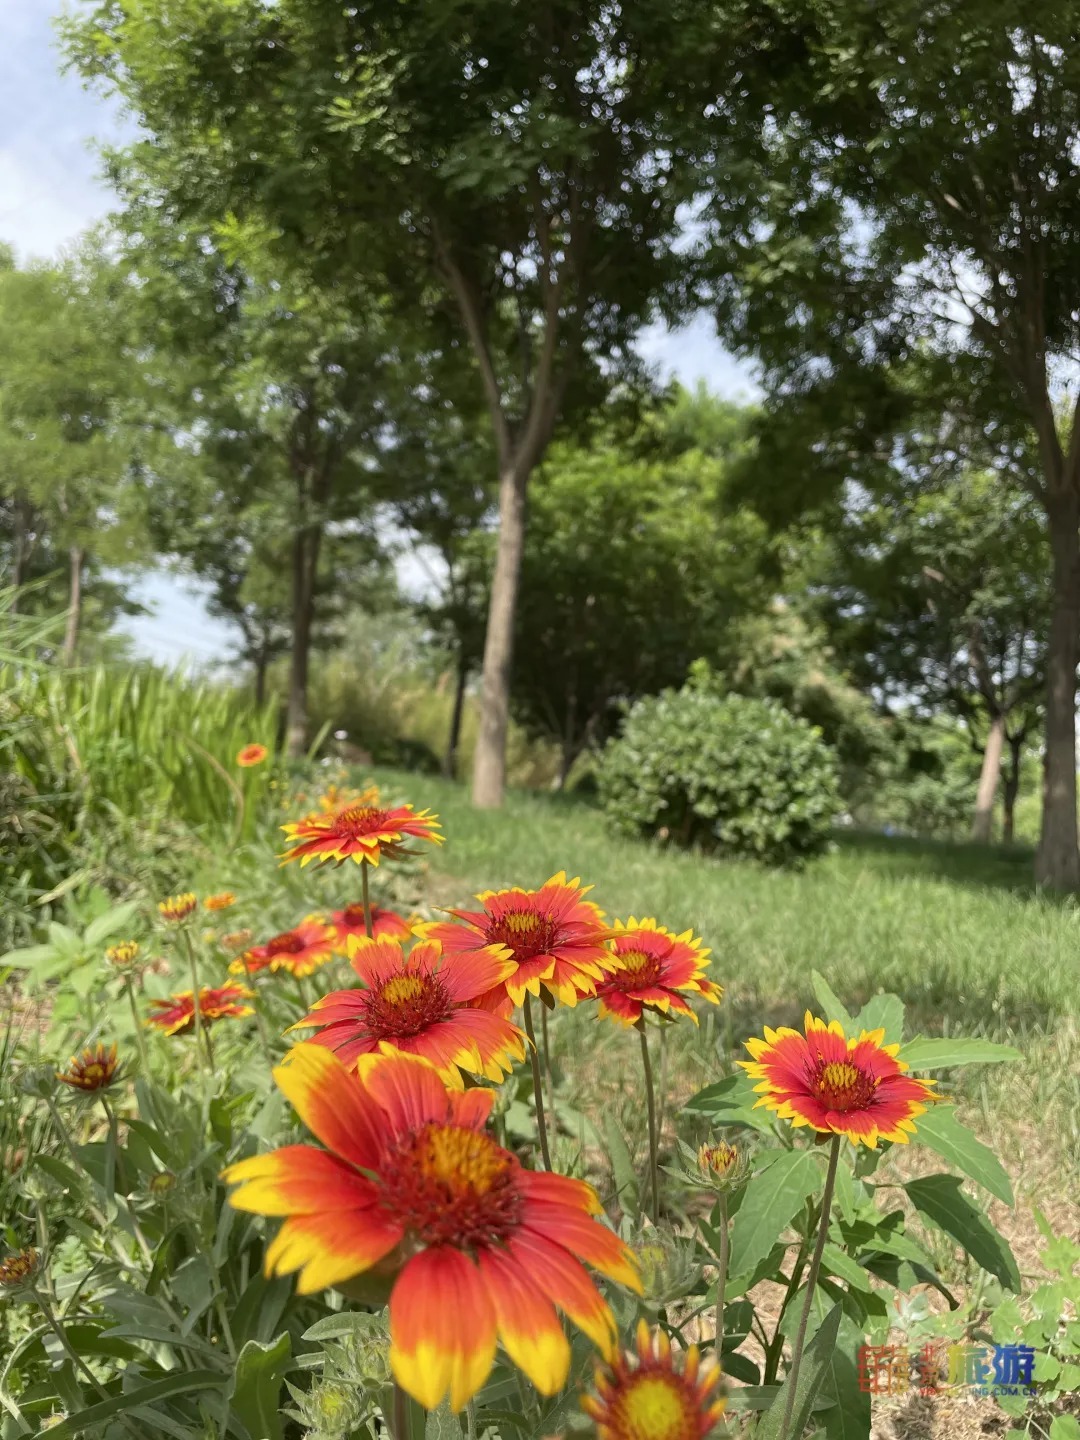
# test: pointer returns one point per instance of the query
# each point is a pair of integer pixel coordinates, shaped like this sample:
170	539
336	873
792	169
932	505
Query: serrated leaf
771	1201
939	1199
924	1054
942	1132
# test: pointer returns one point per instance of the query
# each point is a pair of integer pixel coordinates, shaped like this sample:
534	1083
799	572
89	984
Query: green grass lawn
954	930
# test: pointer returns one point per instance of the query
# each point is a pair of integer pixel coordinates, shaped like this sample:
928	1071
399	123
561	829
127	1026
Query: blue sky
49	192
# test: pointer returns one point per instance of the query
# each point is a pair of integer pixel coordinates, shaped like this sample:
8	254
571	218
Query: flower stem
650	1100
369	929
792	1378
78	1364
140	1038
260	1025
549	1077
538	1089
196	998
401	1427
721	1278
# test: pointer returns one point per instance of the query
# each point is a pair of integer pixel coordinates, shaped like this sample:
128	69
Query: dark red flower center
354	914
524	932
640	970
405	1005
453	1186
842	1086
357	821
291	943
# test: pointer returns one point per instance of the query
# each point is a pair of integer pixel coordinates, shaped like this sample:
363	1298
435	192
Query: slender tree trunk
1057	863
1011	787
982	825
305	565
76	556
489	765
456	716
261	665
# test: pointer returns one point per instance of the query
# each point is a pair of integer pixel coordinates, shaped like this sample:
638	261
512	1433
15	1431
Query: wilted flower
251	755
236	939
19	1269
95	1069
177	907
221	901
122	955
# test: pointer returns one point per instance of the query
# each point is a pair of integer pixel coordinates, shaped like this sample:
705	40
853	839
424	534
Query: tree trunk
489	765
982	825
261	666
1011	788
305	564
1057	863
76	555
456	715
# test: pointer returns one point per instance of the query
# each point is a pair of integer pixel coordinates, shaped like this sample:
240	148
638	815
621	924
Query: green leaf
815	1366
882	1012
30	956
771	1201
1065	1427
181	1383
941	1131
939	1199
837	1262
111	923
622	1166
730	1102
832	1007
923	1054
260	1372
849	1417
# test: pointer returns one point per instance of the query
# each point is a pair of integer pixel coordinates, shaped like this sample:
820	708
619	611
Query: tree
917	193
632	570
932	595
66	455
522	165
271	390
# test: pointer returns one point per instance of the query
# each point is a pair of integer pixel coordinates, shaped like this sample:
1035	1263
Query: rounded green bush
727	774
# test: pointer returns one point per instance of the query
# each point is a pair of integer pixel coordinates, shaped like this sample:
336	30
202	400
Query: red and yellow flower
222	901
557	938
176	1015
422	1005
19	1269
236	940
478	1249
385	925
251	755
298	952
646	1395
361	832
654	969
175	908
838	1086
94	1069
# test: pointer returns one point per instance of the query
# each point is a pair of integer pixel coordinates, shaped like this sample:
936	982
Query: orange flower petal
332	1104
330	1248
528	1325
442	1328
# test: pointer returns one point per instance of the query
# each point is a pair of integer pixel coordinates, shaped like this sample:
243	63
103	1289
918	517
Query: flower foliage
176	1015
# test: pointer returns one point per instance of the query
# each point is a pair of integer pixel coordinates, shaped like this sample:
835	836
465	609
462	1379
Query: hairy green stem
538	1089
369	929
792	1378
721	1278
140	1038
650	1101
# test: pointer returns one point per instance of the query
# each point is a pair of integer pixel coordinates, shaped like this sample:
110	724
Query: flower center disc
639	970
453	1186
406	1005
524	932
288	944
653	1407
354	914
358	820
843	1086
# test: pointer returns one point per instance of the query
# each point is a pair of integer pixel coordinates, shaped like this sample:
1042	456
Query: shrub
734	775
